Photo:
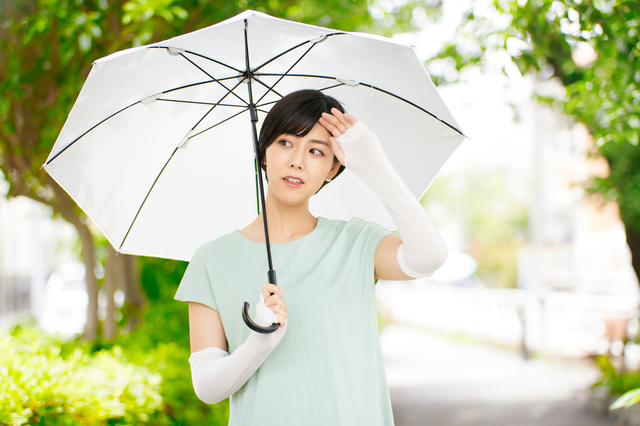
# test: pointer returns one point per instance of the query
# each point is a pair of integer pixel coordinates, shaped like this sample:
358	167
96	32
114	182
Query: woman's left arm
421	249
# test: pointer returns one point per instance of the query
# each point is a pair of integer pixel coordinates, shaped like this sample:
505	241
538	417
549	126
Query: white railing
564	323
15	298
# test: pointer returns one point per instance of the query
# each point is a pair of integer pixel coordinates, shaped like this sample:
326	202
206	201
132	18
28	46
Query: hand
273	298
337	123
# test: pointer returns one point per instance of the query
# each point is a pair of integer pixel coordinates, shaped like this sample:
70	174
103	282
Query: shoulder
355	227
220	245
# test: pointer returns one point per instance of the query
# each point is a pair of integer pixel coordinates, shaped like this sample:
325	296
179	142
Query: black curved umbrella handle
247	319
255	327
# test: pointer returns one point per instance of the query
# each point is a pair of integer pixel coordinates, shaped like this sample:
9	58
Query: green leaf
626	400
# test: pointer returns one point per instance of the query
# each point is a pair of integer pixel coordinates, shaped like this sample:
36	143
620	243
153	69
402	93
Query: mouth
292	181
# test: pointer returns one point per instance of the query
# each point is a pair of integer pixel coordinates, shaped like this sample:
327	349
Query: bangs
300	121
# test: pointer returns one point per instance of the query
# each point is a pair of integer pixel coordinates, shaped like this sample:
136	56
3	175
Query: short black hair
296	114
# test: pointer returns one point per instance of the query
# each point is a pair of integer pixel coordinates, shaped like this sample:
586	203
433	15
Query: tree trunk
89	260
134	297
633	240
112	276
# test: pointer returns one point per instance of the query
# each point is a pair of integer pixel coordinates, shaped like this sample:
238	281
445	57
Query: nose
297	159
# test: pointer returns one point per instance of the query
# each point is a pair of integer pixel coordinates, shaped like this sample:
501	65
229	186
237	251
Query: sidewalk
438	381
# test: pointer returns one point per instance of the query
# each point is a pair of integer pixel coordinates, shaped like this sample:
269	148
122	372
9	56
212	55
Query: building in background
32	247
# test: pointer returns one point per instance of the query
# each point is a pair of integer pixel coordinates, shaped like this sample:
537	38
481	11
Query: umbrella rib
186	86
215	105
78	138
217	124
417	106
200	55
380	90
293	48
331	87
145	198
286	73
269	74
214	79
267	86
201	103
267	103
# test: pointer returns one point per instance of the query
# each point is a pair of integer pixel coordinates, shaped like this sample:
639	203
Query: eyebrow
321	142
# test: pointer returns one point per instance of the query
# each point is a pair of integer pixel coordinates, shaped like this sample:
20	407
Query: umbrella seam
295	47
199	55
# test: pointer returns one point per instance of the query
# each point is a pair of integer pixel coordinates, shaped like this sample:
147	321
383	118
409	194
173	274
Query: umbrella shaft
271	274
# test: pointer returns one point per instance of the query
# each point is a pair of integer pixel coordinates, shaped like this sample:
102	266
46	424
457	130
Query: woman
323	366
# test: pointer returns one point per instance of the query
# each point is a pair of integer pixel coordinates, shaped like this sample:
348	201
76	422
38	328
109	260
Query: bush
43	380
161	343
617	383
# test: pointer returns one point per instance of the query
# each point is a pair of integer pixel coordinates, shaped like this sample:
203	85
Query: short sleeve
368	235
195	285
375	234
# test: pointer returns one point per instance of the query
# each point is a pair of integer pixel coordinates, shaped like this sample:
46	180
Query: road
435	380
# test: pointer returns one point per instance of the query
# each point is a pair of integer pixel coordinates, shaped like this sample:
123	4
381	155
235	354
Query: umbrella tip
152	98
175	51
319	39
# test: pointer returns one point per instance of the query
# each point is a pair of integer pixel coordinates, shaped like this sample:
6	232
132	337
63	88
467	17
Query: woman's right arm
205	328
216	375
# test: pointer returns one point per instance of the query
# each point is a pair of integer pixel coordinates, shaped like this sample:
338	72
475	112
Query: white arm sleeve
216	375
423	249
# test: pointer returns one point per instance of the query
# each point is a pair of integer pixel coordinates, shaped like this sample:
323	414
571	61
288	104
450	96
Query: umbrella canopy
158	148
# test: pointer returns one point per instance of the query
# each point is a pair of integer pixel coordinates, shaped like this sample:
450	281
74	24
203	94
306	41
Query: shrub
161	344
43	380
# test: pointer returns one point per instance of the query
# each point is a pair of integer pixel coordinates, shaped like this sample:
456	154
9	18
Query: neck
286	222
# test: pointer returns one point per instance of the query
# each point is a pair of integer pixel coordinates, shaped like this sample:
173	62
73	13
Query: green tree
592	48
46	51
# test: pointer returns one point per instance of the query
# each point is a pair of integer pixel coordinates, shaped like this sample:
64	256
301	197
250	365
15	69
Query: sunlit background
538	300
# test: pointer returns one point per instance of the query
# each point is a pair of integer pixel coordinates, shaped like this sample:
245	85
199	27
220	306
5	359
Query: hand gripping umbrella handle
247	319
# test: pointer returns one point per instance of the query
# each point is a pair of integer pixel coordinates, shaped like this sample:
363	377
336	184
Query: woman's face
297	166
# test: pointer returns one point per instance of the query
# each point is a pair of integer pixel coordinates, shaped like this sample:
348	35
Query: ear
334	168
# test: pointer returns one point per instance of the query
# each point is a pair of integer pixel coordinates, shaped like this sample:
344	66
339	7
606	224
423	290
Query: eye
316	152
284	142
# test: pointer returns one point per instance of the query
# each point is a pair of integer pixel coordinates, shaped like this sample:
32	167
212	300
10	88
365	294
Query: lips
293	181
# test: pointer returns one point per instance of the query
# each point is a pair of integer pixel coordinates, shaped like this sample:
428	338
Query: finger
329	125
278	311
350	118
268	289
337	150
281	320
275	300
336	120
342	119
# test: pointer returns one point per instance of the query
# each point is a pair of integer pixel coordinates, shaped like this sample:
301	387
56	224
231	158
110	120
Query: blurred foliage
557	40
44	380
160	277
495	221
618	383
159	347
161	343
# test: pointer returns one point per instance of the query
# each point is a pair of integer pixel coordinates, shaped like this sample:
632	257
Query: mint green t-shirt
327	369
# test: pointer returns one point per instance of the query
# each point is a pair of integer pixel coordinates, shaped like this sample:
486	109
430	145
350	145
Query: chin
292	199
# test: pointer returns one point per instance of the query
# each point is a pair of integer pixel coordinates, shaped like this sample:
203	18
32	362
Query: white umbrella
158	149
